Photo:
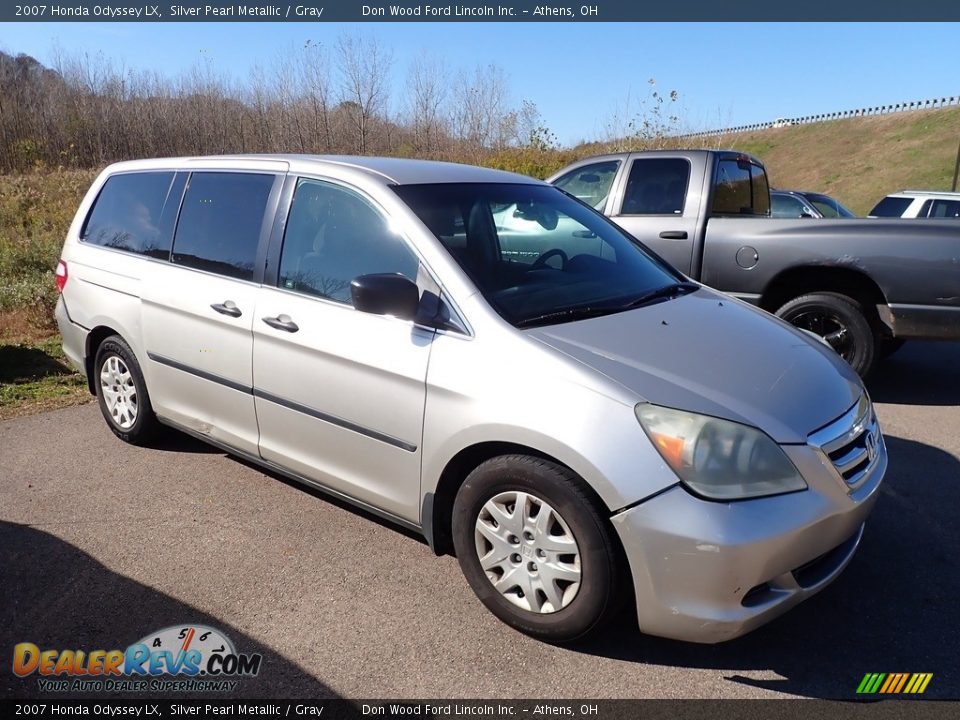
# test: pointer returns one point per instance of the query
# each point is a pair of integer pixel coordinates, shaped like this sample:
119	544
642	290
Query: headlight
719	459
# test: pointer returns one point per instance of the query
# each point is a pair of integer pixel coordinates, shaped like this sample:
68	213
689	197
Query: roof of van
401	171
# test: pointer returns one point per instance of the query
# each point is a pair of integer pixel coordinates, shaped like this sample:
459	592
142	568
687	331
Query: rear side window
891	207
740	188
945	209
656	186
220	221
128	214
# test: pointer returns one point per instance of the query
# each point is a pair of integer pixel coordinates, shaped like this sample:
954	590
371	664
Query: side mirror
386	294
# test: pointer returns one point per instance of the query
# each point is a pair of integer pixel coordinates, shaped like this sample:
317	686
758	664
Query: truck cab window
740	188
656	186
590	183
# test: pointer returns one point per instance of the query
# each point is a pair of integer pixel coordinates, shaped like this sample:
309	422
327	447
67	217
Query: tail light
61	275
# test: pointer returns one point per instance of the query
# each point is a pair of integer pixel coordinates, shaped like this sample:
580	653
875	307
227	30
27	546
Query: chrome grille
852	443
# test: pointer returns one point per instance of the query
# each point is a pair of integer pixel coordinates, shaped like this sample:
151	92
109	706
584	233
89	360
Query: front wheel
534	548
840	321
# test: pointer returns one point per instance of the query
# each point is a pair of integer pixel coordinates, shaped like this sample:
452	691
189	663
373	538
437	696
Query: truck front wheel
840	321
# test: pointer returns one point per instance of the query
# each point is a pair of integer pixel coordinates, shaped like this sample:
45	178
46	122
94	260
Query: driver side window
590	183
332	236
527	232
785	206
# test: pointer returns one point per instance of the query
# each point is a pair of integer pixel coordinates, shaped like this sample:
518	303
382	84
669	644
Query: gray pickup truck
865	286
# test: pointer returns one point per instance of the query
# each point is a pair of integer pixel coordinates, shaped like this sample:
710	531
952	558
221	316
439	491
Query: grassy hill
859	160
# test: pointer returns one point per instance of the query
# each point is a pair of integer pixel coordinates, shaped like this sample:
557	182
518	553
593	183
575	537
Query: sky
579	75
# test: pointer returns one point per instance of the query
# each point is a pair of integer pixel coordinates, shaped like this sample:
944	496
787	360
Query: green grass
859	160
36	376
35	212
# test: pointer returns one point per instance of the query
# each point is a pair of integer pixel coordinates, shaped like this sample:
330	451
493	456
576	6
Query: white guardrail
842	115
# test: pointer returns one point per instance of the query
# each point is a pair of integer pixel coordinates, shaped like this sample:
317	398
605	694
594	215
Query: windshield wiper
583	312
569	314
667	291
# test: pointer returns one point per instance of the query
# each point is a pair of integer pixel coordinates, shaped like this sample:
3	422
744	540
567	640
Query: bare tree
481	118
315	85
364	69
426	95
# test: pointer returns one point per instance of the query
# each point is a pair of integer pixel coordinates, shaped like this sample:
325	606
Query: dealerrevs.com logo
178	658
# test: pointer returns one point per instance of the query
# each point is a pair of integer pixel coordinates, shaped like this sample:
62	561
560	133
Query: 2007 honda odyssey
481	357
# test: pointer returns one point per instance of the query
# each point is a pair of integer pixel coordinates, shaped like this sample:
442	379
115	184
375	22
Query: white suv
918	204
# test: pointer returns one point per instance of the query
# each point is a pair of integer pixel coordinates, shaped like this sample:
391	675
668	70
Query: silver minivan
485	359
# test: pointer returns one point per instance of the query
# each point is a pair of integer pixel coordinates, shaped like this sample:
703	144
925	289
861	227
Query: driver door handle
282	322
227	307
674	235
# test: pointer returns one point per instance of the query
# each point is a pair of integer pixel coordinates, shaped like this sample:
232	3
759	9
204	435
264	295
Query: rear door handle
282	322
227	307
674	235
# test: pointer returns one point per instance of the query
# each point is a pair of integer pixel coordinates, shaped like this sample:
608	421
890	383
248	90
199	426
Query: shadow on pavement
58	597
172	440
21	364
920	373
334	500
894	609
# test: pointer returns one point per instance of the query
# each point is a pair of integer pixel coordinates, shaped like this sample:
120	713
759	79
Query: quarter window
656	186
333	236
220	222
129	214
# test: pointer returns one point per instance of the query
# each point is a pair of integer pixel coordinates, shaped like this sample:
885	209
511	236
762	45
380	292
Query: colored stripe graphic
894	683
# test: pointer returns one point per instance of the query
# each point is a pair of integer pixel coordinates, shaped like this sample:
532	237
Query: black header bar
54	706
308	11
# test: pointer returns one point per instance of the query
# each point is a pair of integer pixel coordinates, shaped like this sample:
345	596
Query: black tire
145	425
840	320
599	595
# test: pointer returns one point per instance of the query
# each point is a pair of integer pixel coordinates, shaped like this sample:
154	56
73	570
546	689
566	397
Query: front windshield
537	255
829	207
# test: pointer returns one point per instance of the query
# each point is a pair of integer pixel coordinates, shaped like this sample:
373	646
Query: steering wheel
541	262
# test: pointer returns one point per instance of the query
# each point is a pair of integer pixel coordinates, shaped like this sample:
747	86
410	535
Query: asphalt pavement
102	543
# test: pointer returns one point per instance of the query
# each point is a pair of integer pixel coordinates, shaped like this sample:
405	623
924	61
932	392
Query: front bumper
710	571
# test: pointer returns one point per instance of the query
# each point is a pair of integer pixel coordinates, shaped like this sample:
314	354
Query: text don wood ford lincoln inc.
178	658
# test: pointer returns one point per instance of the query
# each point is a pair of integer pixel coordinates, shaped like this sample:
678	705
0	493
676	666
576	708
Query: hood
711	354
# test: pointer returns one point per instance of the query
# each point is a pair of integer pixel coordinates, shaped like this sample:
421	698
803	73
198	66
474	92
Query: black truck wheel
841	321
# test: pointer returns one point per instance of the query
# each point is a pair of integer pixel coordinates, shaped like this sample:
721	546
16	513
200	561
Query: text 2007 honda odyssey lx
481	357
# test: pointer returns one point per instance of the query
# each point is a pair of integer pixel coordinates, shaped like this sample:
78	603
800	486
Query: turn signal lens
719	459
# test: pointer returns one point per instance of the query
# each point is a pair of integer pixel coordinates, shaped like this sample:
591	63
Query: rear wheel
534	548
122	392
840	321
